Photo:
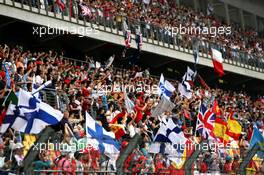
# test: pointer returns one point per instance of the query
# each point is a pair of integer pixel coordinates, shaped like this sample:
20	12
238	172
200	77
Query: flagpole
47	83
69	129
11	154
6	96
195	134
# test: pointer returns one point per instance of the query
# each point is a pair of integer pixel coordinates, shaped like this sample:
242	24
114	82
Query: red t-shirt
228	167
2	75
203	167
159	166
2	116
85	92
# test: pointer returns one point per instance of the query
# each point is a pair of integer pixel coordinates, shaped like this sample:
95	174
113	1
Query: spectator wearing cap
18	157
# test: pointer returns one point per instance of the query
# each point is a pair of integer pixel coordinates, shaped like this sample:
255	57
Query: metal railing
152	34
49	96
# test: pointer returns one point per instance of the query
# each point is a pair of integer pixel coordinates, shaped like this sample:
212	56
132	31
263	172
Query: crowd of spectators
78	89
159	20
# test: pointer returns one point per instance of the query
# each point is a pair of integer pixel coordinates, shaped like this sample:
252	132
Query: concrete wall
247	6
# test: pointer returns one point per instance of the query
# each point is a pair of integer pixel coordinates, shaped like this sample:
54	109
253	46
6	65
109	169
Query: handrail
155	35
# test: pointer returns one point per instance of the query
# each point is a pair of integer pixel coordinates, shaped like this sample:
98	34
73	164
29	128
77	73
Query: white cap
18	146
77	102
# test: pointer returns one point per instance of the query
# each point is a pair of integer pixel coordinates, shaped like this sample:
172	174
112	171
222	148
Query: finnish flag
103	140
165	87
30	115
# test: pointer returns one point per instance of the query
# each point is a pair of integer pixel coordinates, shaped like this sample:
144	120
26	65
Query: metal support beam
128	150
94	47
49	37
33	152
244	80
242	19
7	23
227	13
255	22
196	5
189	162
163	63
248	157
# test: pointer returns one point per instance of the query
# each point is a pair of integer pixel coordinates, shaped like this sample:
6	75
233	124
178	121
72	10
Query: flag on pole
210	9
220	128
60	4
170	140
185	87
218	62
36	88
118	129
205	122
106	141
97	65
110	61
128	38
7	118
85	10
257	138
129	104
30	115
234	128
216	108
165	87
170	132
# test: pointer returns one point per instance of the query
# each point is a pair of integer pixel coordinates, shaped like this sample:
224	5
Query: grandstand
64	65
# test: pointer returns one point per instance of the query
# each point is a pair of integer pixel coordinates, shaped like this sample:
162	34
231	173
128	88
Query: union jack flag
85	10
205	122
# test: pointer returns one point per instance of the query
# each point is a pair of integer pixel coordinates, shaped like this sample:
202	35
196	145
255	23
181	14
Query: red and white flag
218	62
128	38
85	10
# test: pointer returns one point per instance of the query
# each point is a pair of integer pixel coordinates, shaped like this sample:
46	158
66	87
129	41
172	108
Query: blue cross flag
30	115
103	139
165	87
